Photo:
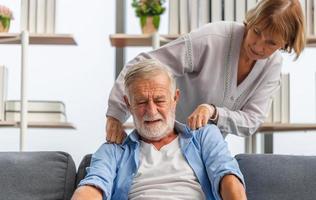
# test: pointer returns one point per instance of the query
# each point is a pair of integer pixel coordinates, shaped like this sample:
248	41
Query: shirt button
232	98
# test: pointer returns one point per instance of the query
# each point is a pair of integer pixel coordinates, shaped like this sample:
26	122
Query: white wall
82	77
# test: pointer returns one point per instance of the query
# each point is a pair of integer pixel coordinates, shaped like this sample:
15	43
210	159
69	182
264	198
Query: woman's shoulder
217	29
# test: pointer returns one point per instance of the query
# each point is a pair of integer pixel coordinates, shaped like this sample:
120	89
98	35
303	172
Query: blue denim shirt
113	166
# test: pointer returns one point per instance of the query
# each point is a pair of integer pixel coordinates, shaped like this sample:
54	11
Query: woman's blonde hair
280	17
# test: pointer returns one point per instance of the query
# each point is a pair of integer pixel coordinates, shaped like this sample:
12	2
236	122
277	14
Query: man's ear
177	95
127	102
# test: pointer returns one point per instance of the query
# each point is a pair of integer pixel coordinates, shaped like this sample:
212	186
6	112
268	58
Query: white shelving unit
25	39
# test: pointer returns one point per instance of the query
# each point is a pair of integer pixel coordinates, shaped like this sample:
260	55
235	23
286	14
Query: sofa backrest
36	175
81	173
278	177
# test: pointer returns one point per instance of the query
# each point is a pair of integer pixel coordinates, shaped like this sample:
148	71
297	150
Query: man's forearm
232	189
87	193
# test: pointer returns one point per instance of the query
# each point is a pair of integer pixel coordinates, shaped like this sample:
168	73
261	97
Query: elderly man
161	159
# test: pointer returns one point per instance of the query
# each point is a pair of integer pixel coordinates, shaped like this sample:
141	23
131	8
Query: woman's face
260	44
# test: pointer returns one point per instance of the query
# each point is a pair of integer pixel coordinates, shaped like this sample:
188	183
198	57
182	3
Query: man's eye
141	102
160	102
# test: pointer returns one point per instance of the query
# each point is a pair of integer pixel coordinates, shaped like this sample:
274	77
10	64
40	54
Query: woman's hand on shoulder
200	116
114	131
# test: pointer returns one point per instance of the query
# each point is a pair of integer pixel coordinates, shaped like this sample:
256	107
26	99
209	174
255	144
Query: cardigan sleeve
246	121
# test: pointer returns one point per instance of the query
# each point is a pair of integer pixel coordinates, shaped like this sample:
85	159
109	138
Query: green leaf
156	21
5	21
143	20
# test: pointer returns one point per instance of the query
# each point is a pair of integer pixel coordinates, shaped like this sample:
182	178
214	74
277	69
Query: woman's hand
200	116
114	131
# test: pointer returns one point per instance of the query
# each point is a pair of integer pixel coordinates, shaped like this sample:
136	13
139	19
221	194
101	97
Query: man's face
152	105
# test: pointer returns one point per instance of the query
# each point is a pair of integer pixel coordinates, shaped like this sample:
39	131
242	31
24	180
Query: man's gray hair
145	69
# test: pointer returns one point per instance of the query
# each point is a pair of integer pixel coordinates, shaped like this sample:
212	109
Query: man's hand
200	116
232	189
87	193
114	131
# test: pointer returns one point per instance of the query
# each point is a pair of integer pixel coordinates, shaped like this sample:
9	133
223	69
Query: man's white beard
155	131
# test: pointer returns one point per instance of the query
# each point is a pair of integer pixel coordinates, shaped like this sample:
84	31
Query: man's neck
162	142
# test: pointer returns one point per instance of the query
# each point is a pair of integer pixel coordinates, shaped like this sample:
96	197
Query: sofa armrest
36	175
276	177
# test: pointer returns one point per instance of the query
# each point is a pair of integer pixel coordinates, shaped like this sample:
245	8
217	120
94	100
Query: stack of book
38	16
38	111
280	107
187	15
3	89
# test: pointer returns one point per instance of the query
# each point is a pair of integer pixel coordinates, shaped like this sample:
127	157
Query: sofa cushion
278	177
36	175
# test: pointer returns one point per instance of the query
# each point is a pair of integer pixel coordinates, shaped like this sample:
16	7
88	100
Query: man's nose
151	108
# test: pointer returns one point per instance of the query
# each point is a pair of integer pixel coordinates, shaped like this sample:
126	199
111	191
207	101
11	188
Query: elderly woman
227	72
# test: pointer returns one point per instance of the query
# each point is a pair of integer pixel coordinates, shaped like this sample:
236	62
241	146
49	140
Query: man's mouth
149	122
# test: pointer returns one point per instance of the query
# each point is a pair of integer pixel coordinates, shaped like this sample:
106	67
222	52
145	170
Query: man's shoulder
208	132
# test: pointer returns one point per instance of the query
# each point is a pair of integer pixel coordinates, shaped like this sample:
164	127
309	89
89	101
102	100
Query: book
276	111
309	17
3	89
251	4
24	15
36	106
32	16
174	17
314	17
303	5
240	10
40	16
229	14
280	108
36	117
285	98
193	14
184	17
203	12
216	10
50	16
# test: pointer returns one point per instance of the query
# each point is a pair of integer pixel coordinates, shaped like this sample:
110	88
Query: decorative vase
4	24
150	24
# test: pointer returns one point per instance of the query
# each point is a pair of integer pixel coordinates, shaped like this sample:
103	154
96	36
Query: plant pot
4	24
150	24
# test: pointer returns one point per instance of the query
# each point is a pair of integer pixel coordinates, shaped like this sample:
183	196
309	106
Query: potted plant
5	18
149	12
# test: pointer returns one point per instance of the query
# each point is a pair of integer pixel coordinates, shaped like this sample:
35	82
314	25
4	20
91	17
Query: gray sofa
53	176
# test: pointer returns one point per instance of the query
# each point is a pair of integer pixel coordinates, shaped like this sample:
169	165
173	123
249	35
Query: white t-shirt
164	174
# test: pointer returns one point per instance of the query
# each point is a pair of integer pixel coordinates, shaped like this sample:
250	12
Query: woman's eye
256	30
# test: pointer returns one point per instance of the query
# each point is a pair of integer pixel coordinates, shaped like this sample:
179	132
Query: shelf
311	41
286	127
13	124
39	39
124	40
